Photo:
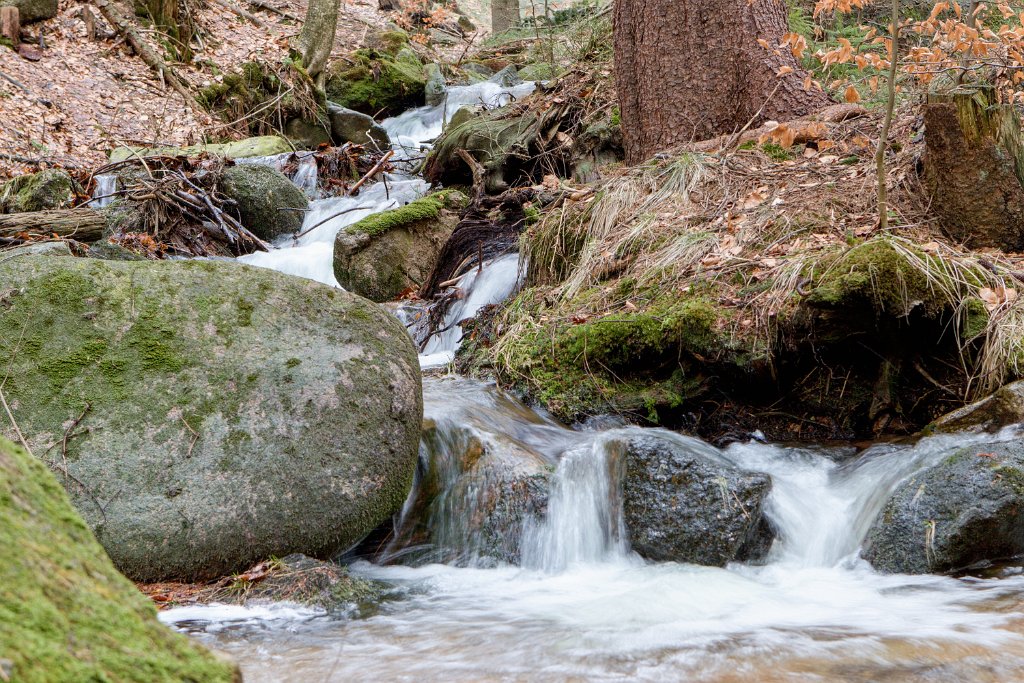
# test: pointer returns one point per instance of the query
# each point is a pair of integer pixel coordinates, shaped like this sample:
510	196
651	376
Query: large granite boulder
209	414
349	125
966	510
683	503
65	612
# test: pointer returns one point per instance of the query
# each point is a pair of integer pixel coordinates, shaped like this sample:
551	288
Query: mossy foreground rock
1003	408
682	503
269	204
384	254
49	189
66	615
966	510
211	414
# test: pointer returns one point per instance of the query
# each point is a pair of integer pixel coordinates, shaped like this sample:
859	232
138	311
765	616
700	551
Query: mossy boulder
387	253
210	414
49	189
376	82
305	134
261	146
65	613
268	204
32	10
682	502
500	140
539	71
968	510
1003	408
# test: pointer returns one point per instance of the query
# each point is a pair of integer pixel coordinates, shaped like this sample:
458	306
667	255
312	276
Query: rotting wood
235	9
83	224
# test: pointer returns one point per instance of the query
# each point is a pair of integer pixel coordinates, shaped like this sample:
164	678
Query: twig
259	4
372	172
331	218
195	436
235	9
64	441
14	423
11	79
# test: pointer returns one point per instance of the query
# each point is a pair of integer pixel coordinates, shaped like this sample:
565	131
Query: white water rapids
583	607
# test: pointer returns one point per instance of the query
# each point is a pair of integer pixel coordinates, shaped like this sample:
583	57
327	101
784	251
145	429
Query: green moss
976	318
49	189
877	273
422	209
293	362
776	152
65	612
375	82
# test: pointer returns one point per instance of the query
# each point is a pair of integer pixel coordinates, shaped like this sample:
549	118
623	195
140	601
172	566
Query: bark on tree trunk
83	224
688	70
10	25
504	15
974	166
317	37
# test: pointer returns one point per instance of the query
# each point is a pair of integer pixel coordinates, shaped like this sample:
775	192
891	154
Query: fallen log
82	224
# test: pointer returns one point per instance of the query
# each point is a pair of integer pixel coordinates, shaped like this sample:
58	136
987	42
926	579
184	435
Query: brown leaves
996	297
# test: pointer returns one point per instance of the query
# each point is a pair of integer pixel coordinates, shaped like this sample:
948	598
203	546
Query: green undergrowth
65	613
377	82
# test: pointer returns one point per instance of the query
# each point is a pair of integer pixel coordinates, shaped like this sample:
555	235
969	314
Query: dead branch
372	172
84	224
235	9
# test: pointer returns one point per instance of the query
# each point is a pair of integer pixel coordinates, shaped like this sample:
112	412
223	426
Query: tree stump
974	167
10	25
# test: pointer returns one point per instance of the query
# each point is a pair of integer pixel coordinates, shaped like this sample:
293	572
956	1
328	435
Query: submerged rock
968	509
478	493
387	253
1003	408
210	414
65	612
269	204
348	125
682	504
49	189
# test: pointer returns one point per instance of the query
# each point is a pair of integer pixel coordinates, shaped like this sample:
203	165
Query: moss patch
65	612
376	82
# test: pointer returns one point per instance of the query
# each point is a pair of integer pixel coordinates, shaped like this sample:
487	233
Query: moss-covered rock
262	146
436	85
32	10
65	613
305	134
499	139
1003	408
966	510
375	82
385	254
539	71
268	203
49	189
225	413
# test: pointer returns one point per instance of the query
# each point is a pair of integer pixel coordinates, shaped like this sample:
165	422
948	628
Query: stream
581	606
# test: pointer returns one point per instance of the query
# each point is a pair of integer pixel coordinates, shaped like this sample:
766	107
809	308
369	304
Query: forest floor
83	98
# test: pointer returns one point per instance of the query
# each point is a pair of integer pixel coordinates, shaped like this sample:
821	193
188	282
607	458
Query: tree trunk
10	25
83	224
974	166
173	18
504	15
316	40
688	70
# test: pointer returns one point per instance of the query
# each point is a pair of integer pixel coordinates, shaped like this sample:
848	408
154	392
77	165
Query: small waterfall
584	521
102	194
304	176
491	284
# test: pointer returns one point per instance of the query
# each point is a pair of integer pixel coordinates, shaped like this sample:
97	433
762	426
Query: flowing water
580	606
